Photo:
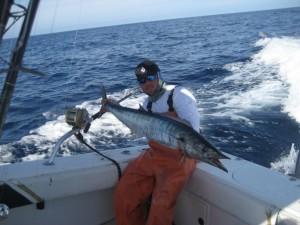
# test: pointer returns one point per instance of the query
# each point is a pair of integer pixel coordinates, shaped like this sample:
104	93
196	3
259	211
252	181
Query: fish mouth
216	162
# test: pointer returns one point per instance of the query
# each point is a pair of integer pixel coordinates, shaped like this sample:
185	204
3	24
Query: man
159	172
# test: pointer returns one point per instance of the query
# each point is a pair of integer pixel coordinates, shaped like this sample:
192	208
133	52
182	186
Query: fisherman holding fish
159	173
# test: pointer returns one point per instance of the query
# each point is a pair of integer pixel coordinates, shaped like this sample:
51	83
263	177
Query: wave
270	78
257	102
283	54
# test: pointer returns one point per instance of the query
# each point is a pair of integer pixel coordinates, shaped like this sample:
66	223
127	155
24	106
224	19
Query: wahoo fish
168	131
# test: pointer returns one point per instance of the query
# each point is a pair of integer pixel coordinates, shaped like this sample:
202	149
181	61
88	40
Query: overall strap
149	106
170	102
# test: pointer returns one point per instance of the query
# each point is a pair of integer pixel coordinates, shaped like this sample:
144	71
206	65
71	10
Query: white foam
45	136
32	157
286	163
5	153
284	55
269	78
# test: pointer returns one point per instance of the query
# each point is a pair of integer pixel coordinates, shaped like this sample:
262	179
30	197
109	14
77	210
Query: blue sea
243	68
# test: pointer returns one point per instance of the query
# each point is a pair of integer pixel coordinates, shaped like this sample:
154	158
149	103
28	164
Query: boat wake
261	97
242	103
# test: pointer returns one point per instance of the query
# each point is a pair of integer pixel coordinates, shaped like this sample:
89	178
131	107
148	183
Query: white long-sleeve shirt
184	104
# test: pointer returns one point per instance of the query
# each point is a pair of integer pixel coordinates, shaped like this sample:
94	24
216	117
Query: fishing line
79	136
83	122
71	65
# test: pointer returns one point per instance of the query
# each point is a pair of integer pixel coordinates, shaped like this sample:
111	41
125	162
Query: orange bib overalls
159	172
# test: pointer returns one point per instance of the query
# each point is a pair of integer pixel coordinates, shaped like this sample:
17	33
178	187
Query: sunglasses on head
149	78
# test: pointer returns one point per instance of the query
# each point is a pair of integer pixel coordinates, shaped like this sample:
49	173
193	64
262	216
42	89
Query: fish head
204	151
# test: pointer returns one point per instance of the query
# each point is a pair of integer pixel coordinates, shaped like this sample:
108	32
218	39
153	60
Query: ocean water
243	68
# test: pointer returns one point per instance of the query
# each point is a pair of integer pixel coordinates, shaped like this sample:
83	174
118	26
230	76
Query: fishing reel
77	117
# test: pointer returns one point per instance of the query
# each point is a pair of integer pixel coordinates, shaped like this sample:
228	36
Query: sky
63	15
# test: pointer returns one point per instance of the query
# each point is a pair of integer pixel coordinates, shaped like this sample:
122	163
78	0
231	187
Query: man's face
149	87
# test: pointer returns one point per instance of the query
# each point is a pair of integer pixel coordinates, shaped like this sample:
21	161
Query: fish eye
204	149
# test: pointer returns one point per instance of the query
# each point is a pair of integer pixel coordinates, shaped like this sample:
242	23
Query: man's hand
104	102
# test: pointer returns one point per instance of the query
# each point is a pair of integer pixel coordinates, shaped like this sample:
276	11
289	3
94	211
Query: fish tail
103	92
104	99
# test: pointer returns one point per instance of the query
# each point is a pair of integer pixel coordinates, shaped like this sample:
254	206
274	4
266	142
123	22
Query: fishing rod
79	119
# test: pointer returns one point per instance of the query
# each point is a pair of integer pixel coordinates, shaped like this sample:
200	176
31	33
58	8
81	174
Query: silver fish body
169	132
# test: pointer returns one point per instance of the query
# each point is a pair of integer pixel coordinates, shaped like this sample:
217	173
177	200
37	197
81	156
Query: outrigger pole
16	59
4	16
